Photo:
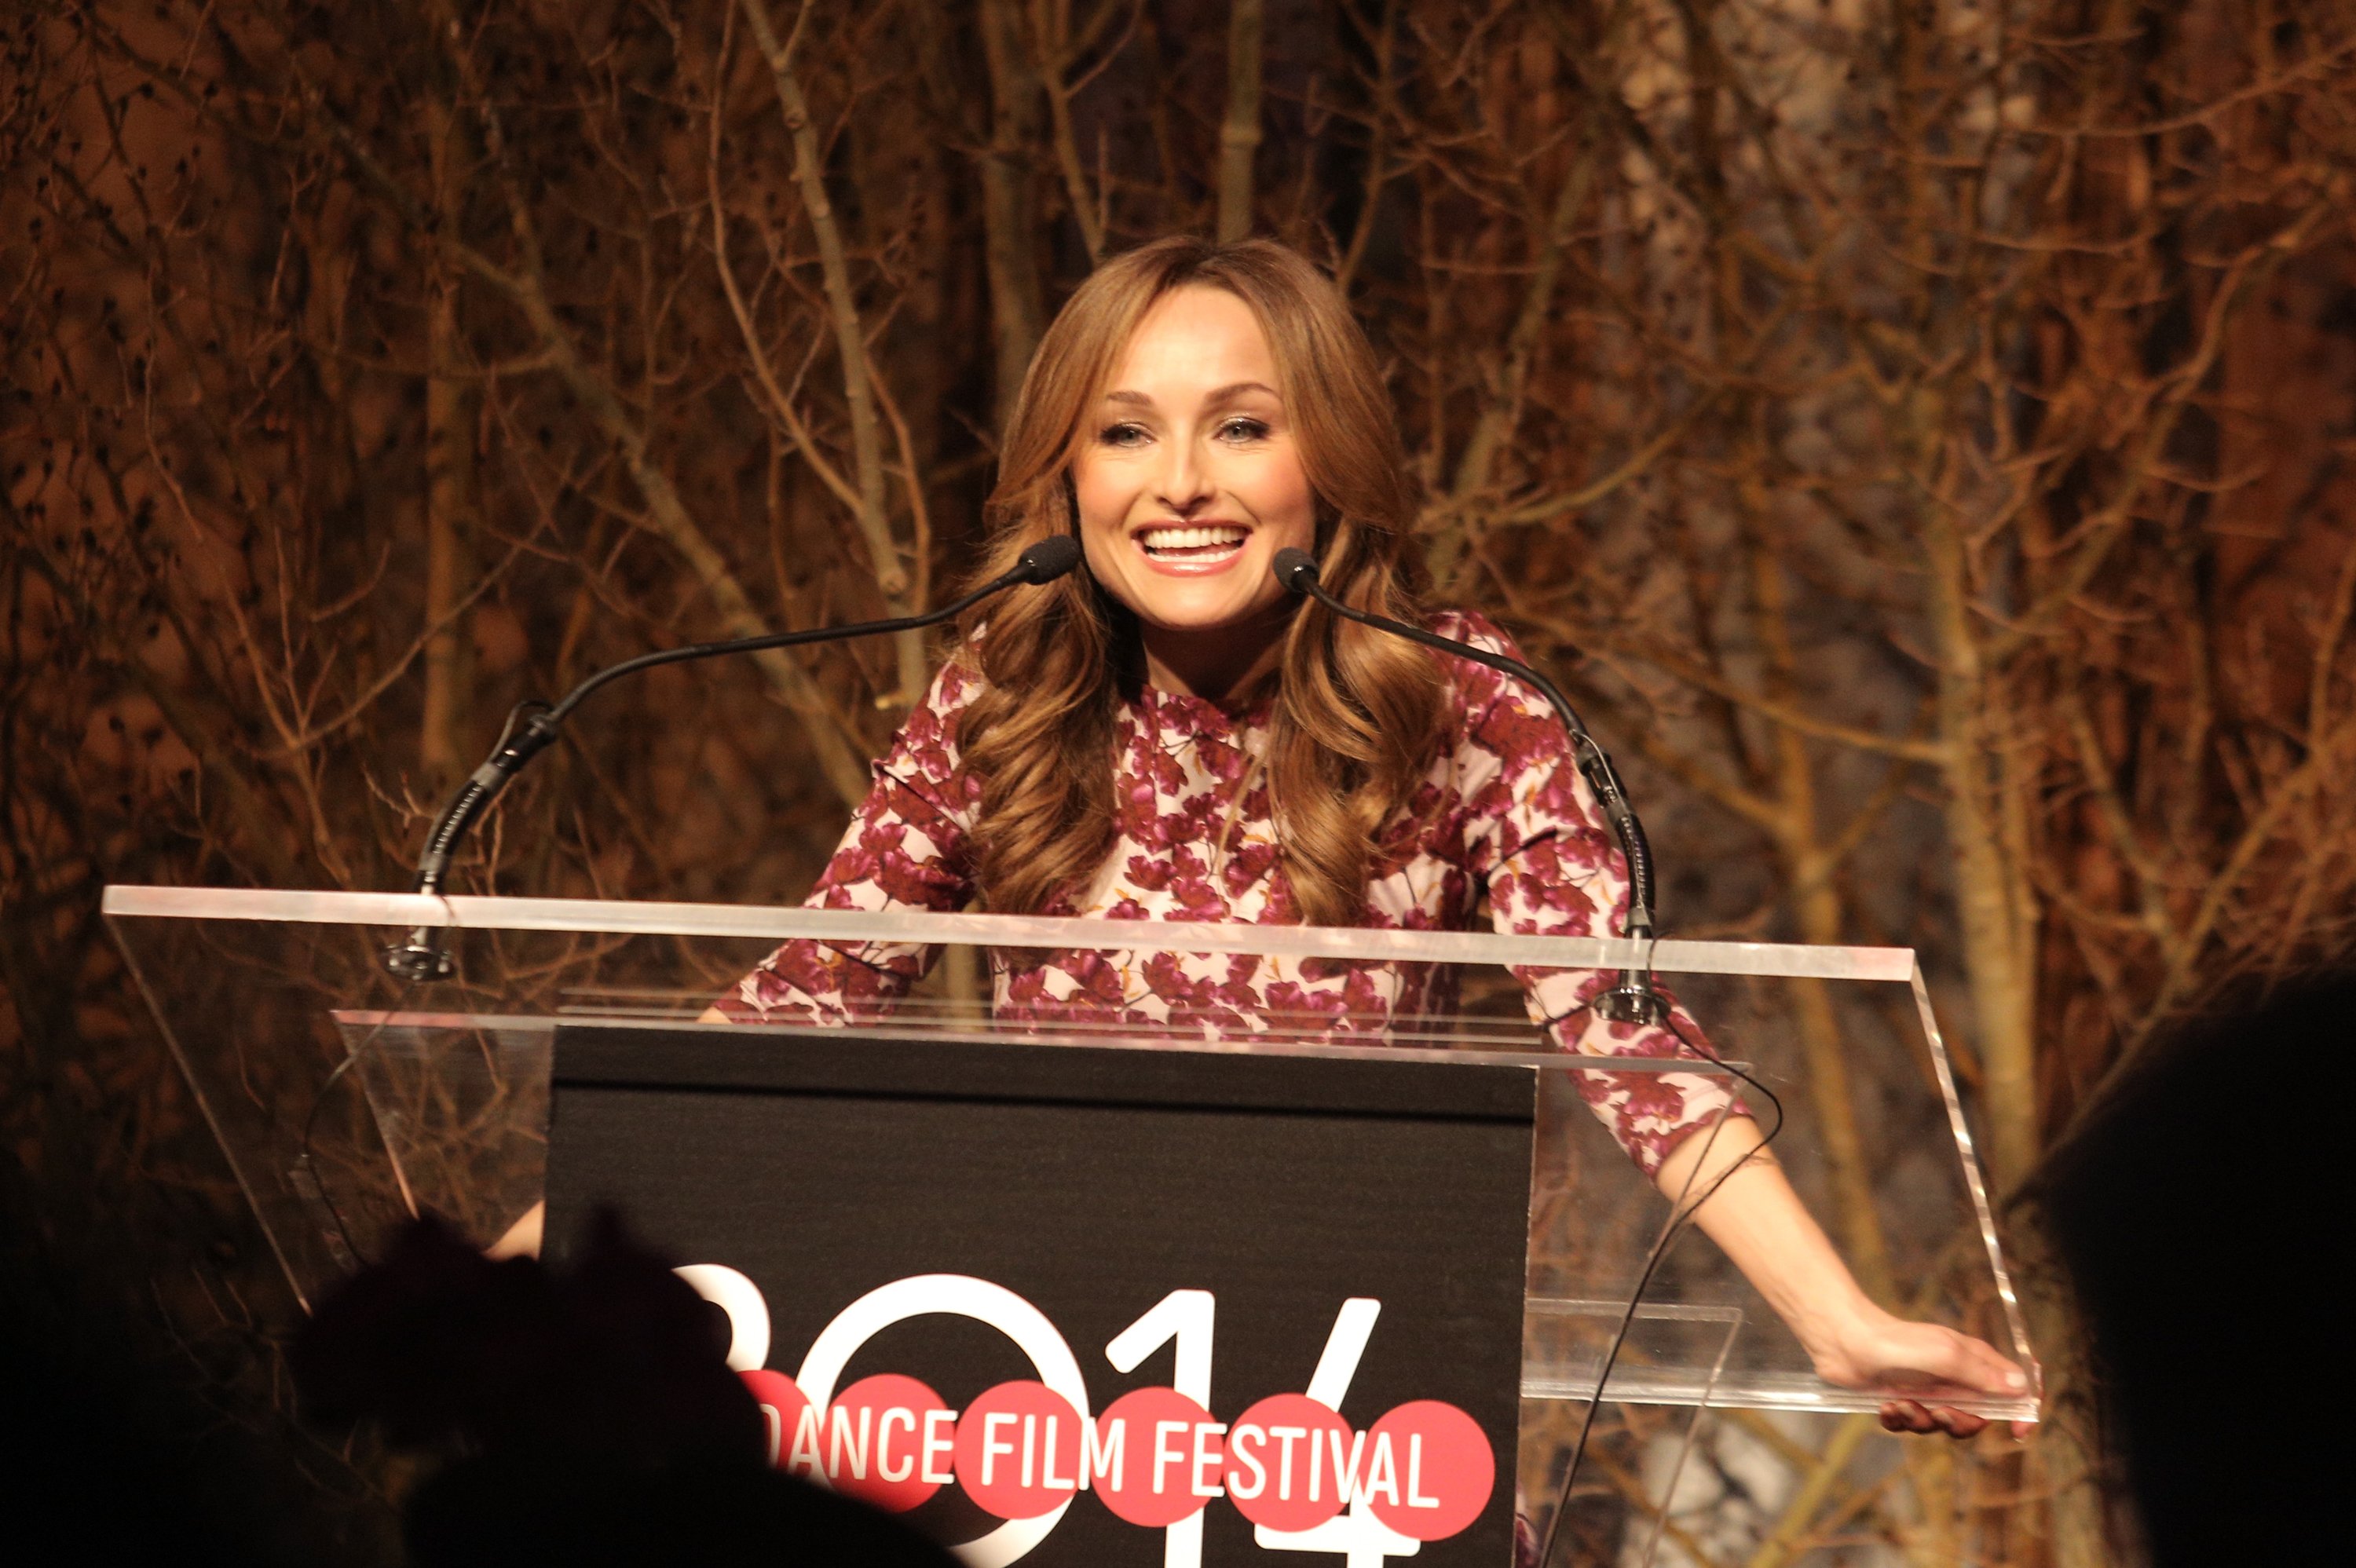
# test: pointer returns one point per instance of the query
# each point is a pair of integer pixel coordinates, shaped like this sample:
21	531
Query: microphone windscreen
1296	569
1050	559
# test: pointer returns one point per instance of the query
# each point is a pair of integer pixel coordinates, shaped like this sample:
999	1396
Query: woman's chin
1205	615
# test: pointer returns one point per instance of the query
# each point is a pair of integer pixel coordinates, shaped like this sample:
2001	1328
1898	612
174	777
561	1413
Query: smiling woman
1170	735
1192	411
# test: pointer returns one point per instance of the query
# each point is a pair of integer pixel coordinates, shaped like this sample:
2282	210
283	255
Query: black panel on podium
1092	1182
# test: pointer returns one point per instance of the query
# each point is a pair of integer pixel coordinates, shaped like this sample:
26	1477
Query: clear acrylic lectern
345	1100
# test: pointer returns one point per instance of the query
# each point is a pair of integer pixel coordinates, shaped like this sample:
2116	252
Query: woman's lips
1194	549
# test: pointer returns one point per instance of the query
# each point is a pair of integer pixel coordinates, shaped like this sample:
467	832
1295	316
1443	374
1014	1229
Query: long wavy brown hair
1355	713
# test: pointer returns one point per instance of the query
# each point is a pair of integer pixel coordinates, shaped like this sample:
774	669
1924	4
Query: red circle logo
782	1404
1018	1450
888	1441
1155	1457
1428	1470
1286	1457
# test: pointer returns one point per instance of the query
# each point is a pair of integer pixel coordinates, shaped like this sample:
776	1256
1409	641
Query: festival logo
1024	1451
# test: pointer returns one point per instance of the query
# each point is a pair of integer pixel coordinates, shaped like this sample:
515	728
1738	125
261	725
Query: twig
809	173
1239	131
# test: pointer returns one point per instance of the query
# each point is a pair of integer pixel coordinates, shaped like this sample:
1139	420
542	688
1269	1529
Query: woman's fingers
1980	1366
1942	1355
1932	1361
1911	1416
1966	1362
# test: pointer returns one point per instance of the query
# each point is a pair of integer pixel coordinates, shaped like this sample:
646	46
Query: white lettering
805	1459
1165	1455
1345	1474
1415	1497
1243	1443
940	1438
1100	1454
907	1418
1286	1436
1047	1476
1382	1471
841	1427
1206	1460
990	1445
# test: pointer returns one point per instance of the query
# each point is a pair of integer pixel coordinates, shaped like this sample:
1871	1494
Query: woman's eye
1243	429
1121	436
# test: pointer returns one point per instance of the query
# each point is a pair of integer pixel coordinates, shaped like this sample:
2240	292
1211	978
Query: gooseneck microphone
423	957
1634	999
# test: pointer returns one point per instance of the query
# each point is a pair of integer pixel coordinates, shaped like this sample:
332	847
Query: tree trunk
451	405
1239	131
1009	217
1999	950
1997	961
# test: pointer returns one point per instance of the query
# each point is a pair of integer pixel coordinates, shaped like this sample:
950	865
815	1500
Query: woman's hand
1755	1217
1871	1348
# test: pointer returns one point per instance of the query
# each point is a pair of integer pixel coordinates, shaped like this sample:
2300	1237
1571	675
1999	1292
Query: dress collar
1172	712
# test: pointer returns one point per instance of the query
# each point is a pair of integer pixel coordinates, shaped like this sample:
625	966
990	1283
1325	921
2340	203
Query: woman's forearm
1761	1224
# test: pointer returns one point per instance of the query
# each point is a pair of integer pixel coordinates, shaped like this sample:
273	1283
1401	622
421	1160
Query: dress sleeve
906	849
1536	837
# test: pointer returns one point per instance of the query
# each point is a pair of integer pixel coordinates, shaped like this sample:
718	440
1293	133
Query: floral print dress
1502	809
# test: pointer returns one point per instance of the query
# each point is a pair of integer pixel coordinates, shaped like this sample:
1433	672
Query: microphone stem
1634	1000
423	957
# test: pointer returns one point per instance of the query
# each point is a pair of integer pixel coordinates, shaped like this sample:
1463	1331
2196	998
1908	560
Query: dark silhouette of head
2198	1211
587	1417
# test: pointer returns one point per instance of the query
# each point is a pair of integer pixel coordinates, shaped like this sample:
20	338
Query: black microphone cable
1634	1000
1681	1218
424	958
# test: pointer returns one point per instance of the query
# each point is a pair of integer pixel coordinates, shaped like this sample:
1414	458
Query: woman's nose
1184	485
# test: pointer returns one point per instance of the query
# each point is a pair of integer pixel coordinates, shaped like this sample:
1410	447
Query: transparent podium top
347	1099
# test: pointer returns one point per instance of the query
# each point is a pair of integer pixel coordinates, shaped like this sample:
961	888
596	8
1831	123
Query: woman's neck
1218	665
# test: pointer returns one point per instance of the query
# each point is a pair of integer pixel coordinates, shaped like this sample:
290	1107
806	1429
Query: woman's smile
1192	550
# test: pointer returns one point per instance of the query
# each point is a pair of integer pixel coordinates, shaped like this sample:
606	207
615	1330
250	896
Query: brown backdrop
1916	430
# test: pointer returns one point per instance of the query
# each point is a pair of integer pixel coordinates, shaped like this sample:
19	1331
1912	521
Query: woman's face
1189	482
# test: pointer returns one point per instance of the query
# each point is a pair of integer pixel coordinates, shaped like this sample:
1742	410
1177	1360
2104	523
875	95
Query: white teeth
1192	539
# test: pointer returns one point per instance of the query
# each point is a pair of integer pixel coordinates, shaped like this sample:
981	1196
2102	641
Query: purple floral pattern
1503	808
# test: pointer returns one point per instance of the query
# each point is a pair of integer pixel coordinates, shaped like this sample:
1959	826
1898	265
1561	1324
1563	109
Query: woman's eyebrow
1235	390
